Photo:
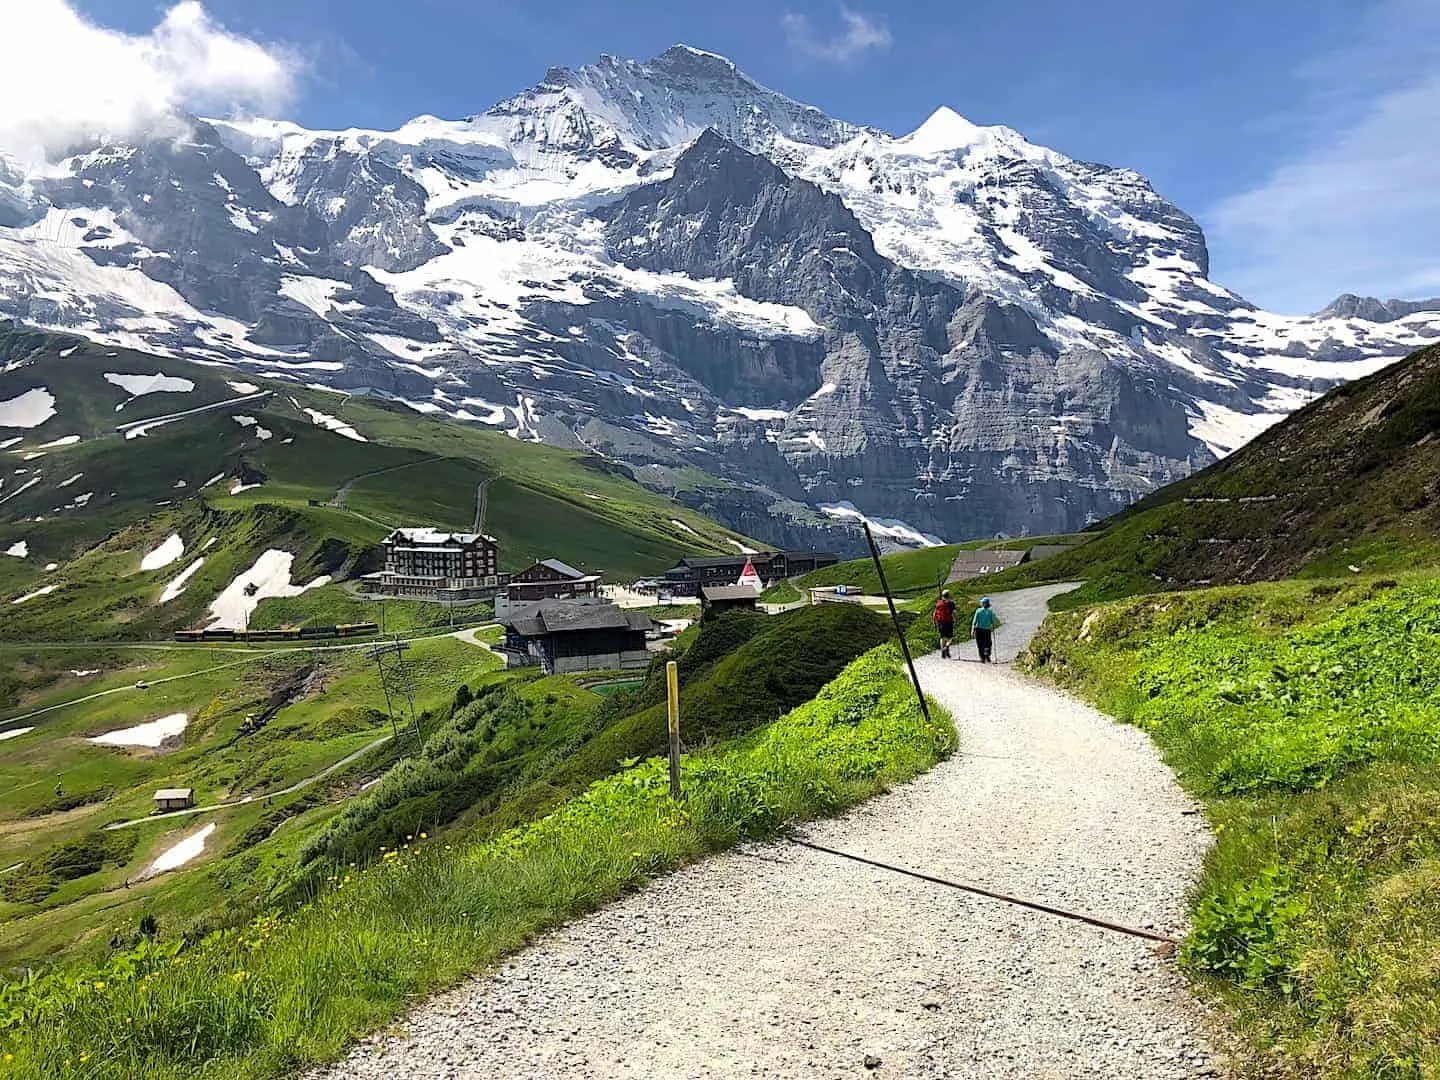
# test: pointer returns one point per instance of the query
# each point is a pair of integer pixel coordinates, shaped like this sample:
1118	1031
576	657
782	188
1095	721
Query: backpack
944	612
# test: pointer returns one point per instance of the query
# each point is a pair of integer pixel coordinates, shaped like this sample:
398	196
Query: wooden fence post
672	686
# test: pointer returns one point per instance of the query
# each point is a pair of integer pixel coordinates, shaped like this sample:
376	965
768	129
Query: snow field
269	577
151	734
168	551
183	852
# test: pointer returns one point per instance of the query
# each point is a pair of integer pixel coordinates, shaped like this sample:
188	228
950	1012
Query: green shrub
40	876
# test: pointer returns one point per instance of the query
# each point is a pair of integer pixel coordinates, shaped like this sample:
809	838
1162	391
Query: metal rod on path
1076	916
672	694
895	618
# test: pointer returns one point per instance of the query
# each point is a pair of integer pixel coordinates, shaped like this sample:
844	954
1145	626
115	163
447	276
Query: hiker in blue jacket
983	625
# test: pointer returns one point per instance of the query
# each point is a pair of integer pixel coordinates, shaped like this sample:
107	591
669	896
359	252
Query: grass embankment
782	592
921	572
1305	715
287	991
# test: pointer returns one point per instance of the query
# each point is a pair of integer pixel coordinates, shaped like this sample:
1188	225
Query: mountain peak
681	54
944	130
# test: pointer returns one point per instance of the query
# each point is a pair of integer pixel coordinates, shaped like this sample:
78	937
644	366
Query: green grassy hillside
81	514
913	574
282	992
1303	713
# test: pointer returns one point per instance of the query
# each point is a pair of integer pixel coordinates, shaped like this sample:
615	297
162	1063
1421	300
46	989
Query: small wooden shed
718	599
174	798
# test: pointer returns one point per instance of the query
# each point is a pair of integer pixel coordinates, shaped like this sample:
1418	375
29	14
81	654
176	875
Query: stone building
435	565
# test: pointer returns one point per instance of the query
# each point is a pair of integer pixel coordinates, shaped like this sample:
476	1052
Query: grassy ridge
913	573
1304	714
284	992
323	497
1351	480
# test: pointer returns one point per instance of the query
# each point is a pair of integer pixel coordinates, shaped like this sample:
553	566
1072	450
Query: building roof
172	793
971	564
426	536
562	568
701	562
724	594
568	617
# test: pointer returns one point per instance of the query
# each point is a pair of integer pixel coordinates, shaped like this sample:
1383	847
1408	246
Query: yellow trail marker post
672	686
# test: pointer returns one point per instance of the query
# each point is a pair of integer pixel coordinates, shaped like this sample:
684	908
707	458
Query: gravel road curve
780	961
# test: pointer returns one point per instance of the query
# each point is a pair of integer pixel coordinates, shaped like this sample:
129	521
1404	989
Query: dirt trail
780	961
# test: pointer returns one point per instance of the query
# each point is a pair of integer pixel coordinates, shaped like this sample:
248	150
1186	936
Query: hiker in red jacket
945	622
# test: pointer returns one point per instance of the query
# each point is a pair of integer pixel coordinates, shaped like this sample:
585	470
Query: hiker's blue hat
986	601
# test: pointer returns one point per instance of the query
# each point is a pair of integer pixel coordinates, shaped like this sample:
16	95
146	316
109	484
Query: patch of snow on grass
67	483
81	673
44	591
140	385
183	852
15	733
330	423
243	388
213	480
681	525
743	549
29	410
240	485
176	587
68	440
152	734
11	442
165	554
270	576
20	549
51	566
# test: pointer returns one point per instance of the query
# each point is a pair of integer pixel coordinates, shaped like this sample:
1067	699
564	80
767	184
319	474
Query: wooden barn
718	599
564	636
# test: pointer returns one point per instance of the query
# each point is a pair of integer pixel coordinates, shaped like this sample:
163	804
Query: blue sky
1295	130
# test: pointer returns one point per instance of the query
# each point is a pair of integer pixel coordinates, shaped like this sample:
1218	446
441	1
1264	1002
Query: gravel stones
780	961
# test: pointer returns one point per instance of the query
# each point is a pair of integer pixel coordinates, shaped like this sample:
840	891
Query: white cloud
65	79
860	35
1354	209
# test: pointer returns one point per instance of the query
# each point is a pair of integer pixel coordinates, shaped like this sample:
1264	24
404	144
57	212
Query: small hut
174	798
718	599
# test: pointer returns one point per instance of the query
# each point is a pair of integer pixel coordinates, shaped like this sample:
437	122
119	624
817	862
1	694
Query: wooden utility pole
895	618
672	686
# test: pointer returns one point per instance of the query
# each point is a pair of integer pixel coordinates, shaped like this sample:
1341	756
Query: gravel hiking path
781	961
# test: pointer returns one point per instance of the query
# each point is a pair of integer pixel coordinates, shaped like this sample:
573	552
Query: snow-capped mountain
954	331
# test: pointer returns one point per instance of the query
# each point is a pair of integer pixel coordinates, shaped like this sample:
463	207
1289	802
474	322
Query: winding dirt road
782	961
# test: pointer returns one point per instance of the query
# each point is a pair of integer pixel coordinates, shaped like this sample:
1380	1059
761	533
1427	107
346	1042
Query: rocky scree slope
668	263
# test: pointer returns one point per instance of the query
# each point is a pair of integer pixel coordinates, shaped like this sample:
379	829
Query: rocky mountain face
781	318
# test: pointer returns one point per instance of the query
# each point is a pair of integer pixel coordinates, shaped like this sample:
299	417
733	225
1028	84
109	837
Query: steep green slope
1303	713
270	473
915	573
1351	480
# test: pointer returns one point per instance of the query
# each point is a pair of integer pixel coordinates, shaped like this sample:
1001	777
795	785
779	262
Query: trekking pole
895	618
